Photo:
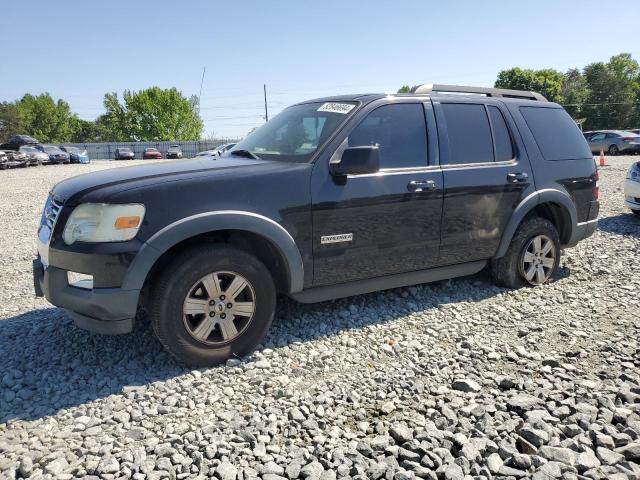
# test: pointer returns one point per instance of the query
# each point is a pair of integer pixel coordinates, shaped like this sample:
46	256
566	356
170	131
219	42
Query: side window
612	135
597	137
556	134
501	137
469	133
400	132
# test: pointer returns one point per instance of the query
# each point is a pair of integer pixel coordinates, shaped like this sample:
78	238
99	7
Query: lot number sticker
343	108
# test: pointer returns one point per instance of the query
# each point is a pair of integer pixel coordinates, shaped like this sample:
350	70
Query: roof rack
489	92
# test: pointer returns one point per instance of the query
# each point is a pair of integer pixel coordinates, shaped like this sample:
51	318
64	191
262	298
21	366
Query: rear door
486	174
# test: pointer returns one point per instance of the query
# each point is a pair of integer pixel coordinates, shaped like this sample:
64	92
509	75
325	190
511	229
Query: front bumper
632	194
108	311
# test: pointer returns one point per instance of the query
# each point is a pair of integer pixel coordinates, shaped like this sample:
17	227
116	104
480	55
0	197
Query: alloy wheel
219	307
538	260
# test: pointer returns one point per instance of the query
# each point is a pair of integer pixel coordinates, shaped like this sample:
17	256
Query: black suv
331	198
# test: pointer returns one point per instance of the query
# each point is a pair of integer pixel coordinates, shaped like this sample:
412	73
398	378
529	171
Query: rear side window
501	137
556	134
400	132
469	133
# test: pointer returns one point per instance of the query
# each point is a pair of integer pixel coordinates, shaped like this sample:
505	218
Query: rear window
556	134
501	137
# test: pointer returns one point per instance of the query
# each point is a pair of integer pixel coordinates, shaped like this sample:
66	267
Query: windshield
629	134
52	150
28	149
295	134
125	150
72	149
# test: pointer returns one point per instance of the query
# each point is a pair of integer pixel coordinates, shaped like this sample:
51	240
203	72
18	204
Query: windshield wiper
244	153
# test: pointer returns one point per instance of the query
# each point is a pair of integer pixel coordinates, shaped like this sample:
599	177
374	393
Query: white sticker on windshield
343	108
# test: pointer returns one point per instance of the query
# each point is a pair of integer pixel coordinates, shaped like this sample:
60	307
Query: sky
80	50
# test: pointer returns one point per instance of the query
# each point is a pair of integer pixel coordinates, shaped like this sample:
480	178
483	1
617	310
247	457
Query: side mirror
357	161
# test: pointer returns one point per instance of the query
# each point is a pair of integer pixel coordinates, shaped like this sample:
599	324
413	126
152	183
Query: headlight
101	222
634	172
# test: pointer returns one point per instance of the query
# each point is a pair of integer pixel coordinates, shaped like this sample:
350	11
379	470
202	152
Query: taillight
596	188
627	139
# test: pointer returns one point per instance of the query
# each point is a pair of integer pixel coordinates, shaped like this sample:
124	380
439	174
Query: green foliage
548	82
607	95
45	119
404	89
12	121
151	114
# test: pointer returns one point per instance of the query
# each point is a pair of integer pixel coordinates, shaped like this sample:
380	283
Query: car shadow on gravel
47	364
621	224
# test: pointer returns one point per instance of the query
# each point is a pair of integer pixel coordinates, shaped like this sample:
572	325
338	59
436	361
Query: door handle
421	185
520	177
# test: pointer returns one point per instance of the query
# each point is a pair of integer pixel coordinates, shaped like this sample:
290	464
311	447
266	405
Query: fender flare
527	204
207	222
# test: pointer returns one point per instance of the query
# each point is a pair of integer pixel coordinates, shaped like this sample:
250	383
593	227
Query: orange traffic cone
602	164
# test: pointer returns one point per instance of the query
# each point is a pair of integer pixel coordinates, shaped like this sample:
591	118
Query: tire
613	150
232	335
636	213
510	271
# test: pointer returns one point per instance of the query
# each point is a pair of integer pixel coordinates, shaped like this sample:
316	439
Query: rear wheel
212	303
613	150
533	255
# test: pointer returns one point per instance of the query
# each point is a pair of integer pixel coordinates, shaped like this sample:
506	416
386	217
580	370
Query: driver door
371	225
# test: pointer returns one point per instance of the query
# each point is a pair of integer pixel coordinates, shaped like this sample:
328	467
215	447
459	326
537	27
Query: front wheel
212	303
613	150
532	257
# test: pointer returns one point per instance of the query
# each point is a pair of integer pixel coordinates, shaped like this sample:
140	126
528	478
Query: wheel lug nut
222	297
222	315
229	305
212	314
212	303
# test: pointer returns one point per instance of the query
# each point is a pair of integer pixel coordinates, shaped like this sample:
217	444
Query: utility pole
204	69
266	112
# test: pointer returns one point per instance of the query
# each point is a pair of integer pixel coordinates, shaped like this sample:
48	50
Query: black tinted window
501	137
556	134
400	133
469	133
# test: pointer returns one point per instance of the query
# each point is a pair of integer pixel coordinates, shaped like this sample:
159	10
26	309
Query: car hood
122	178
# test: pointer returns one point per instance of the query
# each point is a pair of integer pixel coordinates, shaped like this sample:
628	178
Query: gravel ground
453	380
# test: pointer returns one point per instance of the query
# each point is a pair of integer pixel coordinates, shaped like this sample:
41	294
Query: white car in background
632	188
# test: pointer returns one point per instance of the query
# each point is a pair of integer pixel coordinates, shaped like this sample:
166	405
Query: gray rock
558	454
609	457
466	385
630	451
312	470
226	471
108	465
401	433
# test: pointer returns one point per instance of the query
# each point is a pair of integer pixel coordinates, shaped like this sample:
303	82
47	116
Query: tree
574	93
548	82
12	121
46	119
613	93
404	89
152	114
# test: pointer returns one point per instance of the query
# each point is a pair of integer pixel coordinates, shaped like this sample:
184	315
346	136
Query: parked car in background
174	151
124	153
219	150
76	155
632	188
56	155
3	160
35	156
151	153
614	142
17	141
634	130
16	159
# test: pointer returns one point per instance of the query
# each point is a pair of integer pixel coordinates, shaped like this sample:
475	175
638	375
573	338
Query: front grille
51	212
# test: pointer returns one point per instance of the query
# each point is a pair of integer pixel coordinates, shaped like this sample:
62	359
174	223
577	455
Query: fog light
80	280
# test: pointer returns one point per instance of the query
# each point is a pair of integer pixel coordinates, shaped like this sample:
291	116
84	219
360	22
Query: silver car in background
613	142
36	157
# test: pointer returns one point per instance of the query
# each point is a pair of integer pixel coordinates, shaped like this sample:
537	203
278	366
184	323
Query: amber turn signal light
127	222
